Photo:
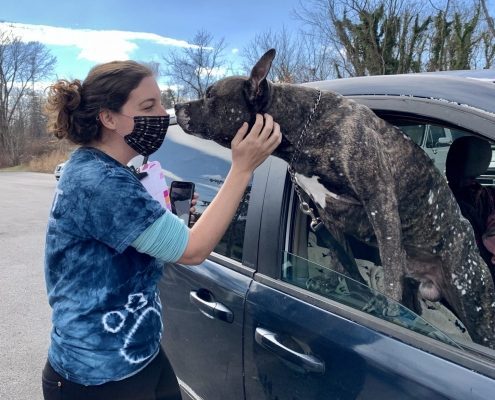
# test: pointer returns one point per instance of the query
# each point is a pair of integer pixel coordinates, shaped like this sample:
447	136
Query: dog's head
227	104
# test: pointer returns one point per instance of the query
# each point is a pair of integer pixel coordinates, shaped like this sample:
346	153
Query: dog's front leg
383	215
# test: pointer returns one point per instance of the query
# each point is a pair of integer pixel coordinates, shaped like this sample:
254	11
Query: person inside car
107	237
468	158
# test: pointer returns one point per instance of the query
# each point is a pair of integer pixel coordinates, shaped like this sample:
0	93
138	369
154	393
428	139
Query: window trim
273	220
232	264
431	110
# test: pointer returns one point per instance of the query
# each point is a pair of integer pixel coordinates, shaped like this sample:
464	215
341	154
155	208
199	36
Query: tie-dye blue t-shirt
106	309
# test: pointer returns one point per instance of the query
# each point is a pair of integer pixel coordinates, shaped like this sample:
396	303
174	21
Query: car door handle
206	303
268	340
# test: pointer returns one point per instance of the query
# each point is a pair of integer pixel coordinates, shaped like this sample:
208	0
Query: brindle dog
368	179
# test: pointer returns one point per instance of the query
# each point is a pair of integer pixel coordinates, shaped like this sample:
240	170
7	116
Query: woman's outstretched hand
249	150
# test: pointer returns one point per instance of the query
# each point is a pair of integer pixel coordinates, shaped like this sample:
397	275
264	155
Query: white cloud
235	51
94	45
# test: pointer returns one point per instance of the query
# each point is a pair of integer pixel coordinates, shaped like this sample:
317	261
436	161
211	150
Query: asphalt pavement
25	200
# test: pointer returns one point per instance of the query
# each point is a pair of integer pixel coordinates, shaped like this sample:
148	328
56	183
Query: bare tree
286	65
316	57
301	56
197	67
489	19
368	37
36	120
488	37
21	64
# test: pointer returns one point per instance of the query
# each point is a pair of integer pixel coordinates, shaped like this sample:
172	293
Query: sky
83	33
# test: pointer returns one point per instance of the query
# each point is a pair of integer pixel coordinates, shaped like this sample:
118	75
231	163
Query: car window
457	133
434	139
207	186
415	132
186	158
312	262
437	137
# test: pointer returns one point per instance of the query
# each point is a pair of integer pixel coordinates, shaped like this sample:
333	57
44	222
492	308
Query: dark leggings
155	382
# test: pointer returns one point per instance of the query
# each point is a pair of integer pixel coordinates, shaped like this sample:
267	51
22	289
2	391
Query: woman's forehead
147	89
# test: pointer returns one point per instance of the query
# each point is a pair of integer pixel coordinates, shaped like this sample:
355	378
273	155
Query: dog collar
303	205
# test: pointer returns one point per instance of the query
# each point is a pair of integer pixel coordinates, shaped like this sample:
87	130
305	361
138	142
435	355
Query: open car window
314	265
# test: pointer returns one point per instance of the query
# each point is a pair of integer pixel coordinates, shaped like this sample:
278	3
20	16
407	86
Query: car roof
473	88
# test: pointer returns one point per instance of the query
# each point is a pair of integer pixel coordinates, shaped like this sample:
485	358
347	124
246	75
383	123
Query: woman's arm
249	150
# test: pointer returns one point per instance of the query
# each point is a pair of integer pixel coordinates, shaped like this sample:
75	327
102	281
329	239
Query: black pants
155	382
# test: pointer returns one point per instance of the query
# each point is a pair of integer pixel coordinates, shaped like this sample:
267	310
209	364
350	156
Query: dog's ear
257	80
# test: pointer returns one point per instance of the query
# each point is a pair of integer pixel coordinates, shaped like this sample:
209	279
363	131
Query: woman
107	238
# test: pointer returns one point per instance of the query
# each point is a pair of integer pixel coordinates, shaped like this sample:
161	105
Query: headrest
468	157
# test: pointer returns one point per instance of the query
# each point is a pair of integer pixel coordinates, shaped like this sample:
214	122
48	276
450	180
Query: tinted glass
435	140
415	132
187	158
437	137
338	287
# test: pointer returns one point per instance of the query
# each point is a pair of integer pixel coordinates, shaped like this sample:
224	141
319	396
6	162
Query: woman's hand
249	150
192	210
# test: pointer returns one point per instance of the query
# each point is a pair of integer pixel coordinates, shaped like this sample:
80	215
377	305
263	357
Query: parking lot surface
25	200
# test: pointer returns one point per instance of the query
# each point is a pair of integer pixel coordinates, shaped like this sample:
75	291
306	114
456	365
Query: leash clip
316	224
305	208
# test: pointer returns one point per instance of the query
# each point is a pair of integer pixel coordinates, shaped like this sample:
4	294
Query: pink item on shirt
156	184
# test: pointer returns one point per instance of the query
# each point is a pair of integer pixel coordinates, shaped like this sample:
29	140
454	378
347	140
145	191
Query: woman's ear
106	119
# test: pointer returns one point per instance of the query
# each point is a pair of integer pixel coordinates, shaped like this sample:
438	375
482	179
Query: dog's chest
320	194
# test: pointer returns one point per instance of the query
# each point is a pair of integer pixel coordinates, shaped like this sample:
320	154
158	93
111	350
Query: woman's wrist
239	175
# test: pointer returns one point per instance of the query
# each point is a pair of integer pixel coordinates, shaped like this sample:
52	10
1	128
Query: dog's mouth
184	122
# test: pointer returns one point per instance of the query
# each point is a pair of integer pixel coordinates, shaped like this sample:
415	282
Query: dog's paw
380	305
392	309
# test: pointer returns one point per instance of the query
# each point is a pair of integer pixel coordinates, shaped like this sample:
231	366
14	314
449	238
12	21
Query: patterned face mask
148	134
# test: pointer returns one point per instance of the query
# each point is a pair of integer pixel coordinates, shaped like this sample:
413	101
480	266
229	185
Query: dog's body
370	180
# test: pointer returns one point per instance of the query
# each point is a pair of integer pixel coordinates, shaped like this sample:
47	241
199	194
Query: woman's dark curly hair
72	108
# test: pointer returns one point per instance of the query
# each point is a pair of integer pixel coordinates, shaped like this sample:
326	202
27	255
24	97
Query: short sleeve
120	209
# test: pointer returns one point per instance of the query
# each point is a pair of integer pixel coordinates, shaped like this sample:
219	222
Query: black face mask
148	134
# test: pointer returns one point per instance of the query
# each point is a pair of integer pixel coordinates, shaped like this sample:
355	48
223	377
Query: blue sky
85	32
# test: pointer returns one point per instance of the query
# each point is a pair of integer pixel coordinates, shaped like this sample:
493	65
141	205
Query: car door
203	315
306	335
203	305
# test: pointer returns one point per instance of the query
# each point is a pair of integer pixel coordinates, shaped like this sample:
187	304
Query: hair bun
72	94
63	99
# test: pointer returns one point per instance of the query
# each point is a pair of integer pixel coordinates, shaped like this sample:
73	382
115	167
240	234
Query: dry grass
48	162
44	156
